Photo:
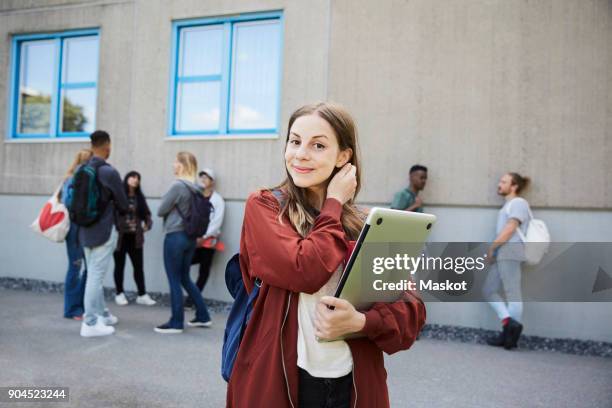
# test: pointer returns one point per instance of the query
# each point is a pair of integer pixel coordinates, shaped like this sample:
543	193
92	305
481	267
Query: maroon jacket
265	373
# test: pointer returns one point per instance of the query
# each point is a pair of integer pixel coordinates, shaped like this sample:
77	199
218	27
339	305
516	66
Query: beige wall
475	88
469	88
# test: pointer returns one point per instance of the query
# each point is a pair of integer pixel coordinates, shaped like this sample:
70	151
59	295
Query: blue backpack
239	316
241	310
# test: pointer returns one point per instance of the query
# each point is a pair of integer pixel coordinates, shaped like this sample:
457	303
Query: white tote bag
536	240
53	221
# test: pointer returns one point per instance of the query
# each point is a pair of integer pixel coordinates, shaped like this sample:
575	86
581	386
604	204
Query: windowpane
254	89
197	106
36	86
80	59
78	110
202	50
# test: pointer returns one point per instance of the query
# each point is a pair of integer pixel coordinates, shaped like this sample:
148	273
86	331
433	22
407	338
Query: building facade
471	89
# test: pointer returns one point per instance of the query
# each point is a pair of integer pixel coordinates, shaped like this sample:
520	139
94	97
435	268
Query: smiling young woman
295	238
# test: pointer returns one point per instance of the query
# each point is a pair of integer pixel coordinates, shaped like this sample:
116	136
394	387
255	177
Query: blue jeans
178	251
74	284
98	261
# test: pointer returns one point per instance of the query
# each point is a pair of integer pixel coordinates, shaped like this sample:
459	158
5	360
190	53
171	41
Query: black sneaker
199	323
500	339
514	332
166	329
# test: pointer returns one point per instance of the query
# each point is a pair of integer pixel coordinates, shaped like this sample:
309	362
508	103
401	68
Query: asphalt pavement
137	367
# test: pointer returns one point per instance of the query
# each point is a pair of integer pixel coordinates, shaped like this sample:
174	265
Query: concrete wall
25	255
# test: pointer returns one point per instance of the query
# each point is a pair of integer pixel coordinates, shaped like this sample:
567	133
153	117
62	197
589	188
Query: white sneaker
145	300
98	329
109	320
121	300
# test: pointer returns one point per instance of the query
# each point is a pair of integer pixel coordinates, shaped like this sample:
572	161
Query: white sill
254	136
49	140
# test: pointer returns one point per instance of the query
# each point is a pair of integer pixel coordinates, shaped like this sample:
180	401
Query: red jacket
265	373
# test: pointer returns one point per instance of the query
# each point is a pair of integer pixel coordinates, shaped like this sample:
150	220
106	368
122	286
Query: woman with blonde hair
179	247
295	239
74	284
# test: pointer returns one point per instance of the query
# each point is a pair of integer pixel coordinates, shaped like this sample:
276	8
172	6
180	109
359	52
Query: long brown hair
81	157
296	205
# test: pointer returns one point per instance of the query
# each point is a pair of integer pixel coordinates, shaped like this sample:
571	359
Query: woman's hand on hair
343	319
343	185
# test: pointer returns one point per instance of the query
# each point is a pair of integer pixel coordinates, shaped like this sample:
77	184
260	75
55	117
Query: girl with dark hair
295	239
131	227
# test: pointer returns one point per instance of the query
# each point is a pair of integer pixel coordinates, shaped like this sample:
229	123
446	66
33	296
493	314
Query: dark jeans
128	246
317	392
74	284
178	252
204	257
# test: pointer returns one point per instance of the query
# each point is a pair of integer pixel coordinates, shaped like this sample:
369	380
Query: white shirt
332	359
216	215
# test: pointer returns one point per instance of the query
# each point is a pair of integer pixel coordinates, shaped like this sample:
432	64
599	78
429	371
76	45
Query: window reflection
255	73
36	87
79	110
198	106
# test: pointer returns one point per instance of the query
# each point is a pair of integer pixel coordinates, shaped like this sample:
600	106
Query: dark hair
521	182
142	208
99	138
417	167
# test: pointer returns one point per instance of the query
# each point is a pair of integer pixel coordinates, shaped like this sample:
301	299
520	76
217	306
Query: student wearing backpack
132	226
505	256
297	250
176	208
76	276
97	194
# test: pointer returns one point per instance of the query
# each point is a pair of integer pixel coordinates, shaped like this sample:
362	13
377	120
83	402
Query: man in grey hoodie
99	239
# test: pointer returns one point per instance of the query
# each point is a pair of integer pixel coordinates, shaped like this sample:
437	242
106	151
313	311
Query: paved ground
139	368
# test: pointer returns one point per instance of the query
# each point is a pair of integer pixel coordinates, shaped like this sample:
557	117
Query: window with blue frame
54	84
226	75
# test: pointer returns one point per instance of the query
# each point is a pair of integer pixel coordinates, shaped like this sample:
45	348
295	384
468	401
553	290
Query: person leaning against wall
505	256
408	199
296	246
207	245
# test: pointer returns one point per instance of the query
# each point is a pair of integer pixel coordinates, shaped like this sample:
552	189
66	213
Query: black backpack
86	205
196	223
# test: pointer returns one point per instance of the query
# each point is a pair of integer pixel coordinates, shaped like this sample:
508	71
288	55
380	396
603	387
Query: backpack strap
96	166
190	192
528	208
520	233
280	196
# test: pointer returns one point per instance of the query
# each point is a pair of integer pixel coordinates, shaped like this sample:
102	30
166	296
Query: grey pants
506	275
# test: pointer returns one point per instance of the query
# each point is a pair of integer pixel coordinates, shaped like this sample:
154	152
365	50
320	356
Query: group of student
118	231
505	254
294	242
